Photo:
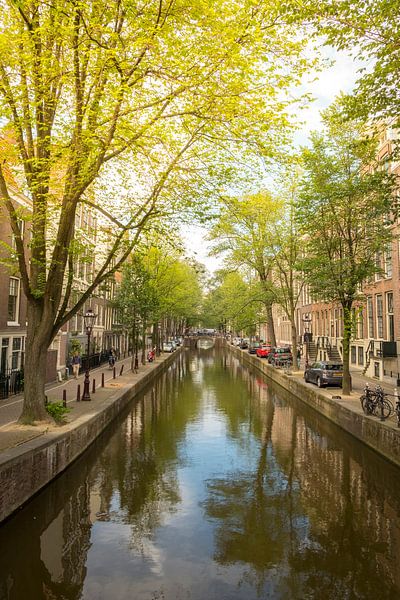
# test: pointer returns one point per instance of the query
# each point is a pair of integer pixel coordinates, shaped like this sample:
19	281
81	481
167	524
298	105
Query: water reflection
214	485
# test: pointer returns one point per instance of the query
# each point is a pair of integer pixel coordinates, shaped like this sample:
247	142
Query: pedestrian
76	363
111	357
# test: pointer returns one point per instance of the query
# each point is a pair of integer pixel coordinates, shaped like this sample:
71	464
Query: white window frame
17	307
379	317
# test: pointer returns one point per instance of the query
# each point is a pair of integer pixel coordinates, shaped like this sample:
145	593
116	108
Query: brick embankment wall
26	469
383	437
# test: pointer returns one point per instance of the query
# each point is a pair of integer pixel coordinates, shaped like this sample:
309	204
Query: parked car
168	347
253	347
244	344
324	373
263	350
280	355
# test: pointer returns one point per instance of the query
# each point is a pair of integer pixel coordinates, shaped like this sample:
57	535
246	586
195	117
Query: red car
263	351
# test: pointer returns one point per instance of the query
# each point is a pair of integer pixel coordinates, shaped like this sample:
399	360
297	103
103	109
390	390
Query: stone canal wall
25	469
383	437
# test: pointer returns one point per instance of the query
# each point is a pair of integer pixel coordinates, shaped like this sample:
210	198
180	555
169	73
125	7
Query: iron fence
11	382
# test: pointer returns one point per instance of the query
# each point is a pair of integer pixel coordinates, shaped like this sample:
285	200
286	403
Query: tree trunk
346	385
133	348
38	339
144	343
294	341
270	325
156	340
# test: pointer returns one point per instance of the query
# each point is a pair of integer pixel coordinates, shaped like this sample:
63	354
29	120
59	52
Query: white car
168	347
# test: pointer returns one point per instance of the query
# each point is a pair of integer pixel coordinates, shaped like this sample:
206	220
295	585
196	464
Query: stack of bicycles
376	402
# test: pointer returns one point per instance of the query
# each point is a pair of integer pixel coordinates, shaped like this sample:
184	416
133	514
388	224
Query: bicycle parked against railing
285	364
375	402
397	407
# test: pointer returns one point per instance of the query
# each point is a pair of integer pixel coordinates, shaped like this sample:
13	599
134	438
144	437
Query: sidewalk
358	382
12	434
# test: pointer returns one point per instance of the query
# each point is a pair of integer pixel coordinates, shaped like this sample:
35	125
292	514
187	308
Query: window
13	292
16	349
336	322
390	316
4	352
85	219
378	265
78	217
388	262
360	355
379	316
370	310
353	355
360	325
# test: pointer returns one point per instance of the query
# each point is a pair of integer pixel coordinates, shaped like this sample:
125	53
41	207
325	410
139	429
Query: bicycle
397	407
368	400
376	403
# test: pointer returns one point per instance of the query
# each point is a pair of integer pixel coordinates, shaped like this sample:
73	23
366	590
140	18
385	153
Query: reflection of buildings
65	543
347	507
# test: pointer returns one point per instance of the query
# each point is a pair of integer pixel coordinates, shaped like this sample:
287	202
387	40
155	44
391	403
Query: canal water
215	485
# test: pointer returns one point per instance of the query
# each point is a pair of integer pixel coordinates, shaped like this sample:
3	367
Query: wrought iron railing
11	382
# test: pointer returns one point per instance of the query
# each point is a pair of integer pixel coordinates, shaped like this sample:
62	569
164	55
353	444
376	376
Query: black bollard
121	370
93	386
78	393
64	398
102	380
114	374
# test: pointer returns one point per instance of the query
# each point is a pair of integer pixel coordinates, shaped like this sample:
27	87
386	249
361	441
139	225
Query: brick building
375	345
12	300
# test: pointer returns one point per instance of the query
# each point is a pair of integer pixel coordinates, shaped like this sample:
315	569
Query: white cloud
324	87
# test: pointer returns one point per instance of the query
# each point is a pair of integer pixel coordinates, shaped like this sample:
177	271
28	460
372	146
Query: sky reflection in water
214	486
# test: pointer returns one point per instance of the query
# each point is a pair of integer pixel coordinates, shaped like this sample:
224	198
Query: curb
382	437
26	469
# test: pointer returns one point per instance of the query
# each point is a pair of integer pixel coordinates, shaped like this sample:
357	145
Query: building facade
375	345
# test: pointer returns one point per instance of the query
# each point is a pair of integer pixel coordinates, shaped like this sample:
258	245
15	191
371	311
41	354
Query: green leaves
345	200
369	30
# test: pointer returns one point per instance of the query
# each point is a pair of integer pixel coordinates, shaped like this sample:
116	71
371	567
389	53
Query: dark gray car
324	373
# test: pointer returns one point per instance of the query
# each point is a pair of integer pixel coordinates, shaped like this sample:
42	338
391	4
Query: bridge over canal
202	341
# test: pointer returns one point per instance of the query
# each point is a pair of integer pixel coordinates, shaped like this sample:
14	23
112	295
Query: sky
330	82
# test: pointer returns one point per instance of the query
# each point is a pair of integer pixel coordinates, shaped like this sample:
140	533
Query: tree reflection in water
311	515
214	485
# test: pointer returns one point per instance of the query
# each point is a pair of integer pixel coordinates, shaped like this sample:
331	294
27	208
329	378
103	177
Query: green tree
177	290
160	88
344	206
245	232
233	303
136	301
288	278
369	30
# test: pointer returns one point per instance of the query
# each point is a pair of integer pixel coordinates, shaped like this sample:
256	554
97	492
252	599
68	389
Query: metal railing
11	382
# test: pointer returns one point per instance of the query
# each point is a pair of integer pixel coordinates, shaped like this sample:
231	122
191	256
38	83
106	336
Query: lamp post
88	319
306	320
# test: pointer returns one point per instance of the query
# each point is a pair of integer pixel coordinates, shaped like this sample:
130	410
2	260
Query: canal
215	485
